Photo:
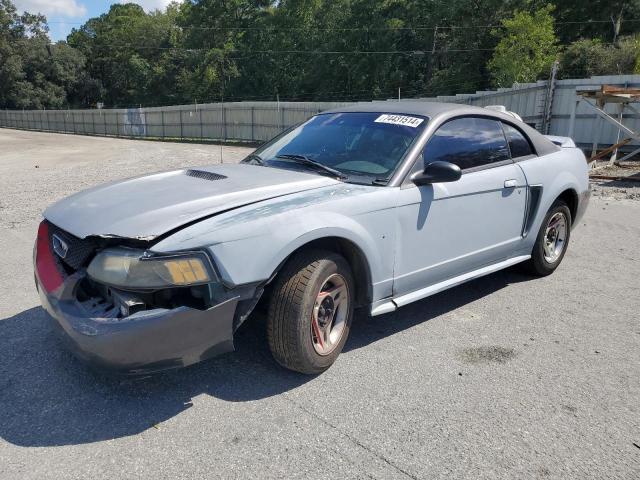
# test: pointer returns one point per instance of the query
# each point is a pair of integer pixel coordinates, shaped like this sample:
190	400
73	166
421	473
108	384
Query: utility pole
222	115
224	127
548	108
433	51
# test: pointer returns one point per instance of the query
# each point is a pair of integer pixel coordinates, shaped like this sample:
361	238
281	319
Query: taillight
46	267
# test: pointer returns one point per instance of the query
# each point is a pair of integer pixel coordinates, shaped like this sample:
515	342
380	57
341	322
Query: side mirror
437	172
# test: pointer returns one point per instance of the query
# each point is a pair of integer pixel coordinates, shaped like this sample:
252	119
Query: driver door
448	229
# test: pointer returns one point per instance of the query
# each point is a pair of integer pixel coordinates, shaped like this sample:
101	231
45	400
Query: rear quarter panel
556	172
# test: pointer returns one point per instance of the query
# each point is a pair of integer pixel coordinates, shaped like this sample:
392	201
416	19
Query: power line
352	29
344	95
336	96
247	54
299	52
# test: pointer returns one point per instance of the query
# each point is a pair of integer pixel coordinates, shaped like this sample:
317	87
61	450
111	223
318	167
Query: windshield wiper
255	158
304	160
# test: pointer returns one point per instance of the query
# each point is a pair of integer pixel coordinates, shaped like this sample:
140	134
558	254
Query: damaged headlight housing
128	268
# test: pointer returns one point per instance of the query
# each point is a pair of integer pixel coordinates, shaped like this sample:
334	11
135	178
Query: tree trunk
617	24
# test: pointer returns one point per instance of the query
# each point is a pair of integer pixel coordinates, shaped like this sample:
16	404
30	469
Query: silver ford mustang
372	206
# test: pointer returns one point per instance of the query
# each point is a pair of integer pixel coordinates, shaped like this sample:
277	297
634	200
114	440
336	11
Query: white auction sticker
404	120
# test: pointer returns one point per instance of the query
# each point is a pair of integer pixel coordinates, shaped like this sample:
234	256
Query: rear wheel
310	311
552	240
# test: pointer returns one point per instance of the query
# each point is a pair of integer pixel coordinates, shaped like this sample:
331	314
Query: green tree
33	72
203	50
527	48
130	52
585	58
613	18
217	35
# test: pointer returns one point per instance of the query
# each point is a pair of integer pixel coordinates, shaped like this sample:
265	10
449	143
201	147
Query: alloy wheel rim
555	237
329	315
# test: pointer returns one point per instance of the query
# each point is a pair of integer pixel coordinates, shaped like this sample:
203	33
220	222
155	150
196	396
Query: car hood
147	207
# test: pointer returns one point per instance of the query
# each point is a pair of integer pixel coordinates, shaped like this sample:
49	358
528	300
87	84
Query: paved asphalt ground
504	377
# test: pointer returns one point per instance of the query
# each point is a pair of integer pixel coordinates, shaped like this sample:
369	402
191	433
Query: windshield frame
351	176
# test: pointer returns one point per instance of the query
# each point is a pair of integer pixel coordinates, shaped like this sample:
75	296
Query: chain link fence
546	108
252	122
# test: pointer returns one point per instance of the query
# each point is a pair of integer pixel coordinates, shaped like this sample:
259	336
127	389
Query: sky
63	15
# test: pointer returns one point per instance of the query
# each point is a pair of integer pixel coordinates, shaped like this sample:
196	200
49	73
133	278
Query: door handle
512	183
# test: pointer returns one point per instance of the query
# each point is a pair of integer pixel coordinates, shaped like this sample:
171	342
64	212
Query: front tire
552	240
310	311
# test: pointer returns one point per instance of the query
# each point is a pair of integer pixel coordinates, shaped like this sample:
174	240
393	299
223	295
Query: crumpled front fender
249	244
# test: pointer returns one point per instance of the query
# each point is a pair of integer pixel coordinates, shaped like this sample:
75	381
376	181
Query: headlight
122	267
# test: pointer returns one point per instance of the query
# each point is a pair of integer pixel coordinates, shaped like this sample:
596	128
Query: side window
468	142
519	145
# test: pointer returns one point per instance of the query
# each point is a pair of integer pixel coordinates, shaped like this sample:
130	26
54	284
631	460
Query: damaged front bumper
143	342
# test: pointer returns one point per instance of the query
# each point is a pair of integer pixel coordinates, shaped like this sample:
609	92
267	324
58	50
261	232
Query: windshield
364	147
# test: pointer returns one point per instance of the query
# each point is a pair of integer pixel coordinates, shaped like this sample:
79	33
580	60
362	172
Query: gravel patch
40	168
488	354
617	189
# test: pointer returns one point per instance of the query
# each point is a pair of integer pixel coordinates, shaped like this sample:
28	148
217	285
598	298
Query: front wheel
310	311
552	240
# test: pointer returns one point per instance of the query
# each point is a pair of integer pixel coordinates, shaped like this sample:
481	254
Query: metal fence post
117	124
614	156
181	128
224	123
253	123
572	118
162	120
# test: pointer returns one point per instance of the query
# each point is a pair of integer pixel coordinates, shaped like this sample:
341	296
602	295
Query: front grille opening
204	175
102	301
79	251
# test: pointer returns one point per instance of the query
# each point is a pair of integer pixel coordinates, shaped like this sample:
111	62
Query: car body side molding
402	300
